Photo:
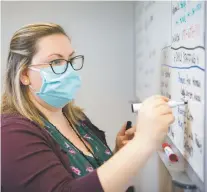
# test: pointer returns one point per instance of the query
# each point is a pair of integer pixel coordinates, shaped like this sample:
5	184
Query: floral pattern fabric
81	165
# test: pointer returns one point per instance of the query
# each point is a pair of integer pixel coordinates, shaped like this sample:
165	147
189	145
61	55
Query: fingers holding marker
160	101
157	97
125	142
130	131
122	131
164	109
155	101
170	118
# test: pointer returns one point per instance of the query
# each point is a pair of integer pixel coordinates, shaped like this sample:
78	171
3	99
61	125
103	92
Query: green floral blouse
81	165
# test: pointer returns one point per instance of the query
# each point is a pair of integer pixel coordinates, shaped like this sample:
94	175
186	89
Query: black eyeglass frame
69	62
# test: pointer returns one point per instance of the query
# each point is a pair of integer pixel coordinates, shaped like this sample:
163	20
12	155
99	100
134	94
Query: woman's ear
24	78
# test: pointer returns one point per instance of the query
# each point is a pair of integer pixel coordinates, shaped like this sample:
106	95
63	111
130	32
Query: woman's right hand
154	118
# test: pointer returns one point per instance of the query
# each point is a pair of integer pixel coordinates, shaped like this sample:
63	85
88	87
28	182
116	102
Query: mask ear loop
34	69
32	88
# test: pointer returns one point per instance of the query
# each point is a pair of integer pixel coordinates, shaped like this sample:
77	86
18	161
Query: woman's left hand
124	136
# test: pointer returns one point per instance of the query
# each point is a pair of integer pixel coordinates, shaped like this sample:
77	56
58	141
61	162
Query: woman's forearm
119	169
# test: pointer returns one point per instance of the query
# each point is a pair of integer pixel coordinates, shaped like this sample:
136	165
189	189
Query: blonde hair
15	98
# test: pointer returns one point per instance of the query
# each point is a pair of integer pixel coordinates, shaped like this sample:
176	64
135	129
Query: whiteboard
176	69
153	32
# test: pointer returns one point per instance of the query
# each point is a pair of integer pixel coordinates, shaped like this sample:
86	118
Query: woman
48	144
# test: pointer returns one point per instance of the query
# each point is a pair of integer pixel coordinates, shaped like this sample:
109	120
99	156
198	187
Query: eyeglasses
59	66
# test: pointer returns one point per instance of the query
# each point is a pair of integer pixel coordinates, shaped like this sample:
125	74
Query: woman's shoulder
13	123
10	118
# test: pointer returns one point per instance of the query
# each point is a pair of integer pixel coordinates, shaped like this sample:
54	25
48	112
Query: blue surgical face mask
58	90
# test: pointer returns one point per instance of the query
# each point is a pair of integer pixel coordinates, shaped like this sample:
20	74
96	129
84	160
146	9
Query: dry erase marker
169	152
128	125
136	106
